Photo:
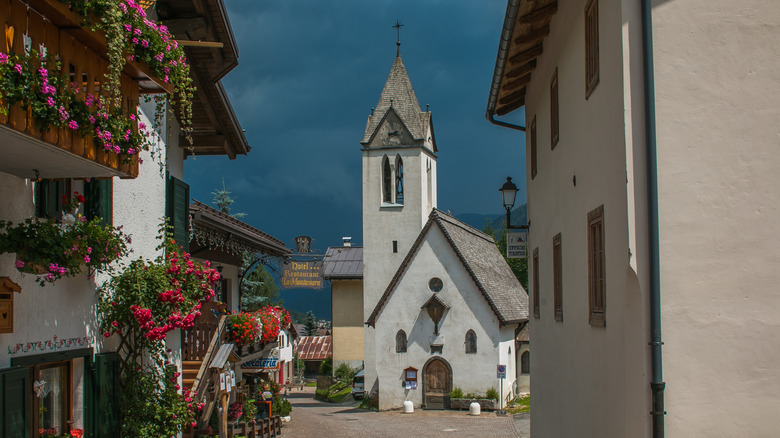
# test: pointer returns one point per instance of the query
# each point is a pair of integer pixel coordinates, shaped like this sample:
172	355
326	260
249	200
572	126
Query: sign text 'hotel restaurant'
302	275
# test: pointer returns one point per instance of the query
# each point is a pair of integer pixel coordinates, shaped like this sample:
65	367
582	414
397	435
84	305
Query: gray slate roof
399	94
481	258
343	262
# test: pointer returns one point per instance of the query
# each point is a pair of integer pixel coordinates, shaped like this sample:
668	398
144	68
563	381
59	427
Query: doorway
437	383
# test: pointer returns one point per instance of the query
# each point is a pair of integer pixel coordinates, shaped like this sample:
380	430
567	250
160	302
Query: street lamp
508	194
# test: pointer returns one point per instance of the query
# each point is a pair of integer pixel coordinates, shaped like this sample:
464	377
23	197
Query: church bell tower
399	190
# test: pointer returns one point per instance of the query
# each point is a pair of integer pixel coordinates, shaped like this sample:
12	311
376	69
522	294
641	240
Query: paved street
313	418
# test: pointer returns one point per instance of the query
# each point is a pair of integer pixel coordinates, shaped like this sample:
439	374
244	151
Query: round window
435	284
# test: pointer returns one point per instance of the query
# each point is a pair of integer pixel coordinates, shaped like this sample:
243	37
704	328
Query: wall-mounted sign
516	244
259	364
302	275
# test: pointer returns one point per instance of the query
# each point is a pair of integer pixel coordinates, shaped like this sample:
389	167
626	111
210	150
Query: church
441	307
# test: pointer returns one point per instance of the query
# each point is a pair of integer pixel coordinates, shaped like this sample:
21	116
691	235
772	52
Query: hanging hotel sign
302	275
261	364
516	244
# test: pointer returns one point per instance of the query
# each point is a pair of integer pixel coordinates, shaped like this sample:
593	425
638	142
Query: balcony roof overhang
215	127
23	156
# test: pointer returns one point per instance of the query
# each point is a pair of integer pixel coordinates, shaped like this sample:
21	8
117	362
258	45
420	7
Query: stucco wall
468	310
347	337
578	370
718	107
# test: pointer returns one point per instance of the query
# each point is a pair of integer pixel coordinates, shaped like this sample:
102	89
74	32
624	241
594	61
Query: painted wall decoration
55	343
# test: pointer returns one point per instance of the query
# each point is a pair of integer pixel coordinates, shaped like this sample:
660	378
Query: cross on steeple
397	28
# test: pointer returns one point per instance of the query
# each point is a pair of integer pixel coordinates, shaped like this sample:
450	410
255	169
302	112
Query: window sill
390	205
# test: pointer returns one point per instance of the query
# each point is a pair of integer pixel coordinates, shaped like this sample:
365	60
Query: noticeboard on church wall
302	275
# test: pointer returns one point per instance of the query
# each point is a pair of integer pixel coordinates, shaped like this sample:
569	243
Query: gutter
498	73
657	384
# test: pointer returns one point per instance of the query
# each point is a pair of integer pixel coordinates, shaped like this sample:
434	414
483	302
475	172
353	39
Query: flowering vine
131	36
141	305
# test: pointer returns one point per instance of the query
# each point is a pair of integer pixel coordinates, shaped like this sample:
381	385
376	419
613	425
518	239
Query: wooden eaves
526	25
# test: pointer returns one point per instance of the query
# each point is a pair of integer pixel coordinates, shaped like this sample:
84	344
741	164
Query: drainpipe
657	383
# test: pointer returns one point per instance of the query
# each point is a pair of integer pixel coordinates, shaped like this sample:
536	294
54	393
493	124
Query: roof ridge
457	222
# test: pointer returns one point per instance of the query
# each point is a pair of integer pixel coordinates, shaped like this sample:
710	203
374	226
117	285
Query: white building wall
573	361
718	107
468	310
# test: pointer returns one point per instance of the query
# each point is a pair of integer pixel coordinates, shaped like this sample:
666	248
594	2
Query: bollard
408	407
474	408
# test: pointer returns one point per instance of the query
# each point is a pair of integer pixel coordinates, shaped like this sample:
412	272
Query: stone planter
463	404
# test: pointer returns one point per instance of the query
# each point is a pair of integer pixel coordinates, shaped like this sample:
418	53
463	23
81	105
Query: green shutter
48	198
15	402
106	396
99	200
178	210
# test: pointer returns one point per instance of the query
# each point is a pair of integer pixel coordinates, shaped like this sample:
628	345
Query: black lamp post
508	194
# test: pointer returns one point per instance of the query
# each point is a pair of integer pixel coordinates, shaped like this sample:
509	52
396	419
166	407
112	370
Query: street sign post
501	371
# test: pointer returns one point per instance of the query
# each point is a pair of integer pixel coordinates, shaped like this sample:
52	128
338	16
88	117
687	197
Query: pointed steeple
397	94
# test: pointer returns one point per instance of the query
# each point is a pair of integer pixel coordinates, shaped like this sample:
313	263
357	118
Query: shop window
471	342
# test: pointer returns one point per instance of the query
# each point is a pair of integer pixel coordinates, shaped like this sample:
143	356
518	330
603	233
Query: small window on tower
399	181
387	185
395	246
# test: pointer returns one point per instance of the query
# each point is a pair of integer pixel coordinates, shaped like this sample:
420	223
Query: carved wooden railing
198	339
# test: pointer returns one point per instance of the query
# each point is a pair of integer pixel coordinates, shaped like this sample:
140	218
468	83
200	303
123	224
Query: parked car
358	385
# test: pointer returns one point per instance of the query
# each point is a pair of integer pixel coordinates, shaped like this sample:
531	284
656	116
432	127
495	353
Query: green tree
258	287
223	201
519	266
310	326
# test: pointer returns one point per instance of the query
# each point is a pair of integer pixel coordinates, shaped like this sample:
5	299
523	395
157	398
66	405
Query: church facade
442	307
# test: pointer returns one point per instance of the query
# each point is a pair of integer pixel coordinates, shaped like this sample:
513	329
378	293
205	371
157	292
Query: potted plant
54	250
244	329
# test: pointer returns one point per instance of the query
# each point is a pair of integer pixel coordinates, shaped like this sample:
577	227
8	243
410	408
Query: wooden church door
437	384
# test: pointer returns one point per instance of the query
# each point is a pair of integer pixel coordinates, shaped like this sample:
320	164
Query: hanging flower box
52	250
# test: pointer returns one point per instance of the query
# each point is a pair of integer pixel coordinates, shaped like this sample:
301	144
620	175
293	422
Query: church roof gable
480	257
399	95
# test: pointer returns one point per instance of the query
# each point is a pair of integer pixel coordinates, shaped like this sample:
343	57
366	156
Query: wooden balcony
59	153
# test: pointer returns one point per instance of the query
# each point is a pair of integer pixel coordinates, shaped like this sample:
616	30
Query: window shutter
15	402
106	395
178	209
99	200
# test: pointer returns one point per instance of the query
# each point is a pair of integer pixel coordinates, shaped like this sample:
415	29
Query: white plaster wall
573	361
468	310
523	380
43	316
384	224
718	106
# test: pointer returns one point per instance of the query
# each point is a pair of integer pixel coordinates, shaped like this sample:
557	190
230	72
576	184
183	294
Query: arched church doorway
437	383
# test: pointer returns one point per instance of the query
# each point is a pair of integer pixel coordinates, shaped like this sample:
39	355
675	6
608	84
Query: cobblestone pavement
313	418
